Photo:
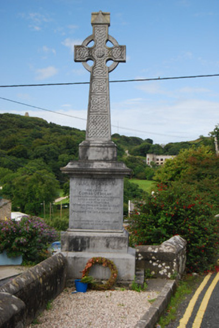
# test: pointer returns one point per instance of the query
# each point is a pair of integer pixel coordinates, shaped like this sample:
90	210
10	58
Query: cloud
35	28
183	120
24	96
154	88
193	90
151	88
79	72
36	19
184	3
204	14
70	117
71	42
183	56
44	73
47	50
72	27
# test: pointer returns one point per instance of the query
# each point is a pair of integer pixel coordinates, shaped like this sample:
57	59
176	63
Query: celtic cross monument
96	179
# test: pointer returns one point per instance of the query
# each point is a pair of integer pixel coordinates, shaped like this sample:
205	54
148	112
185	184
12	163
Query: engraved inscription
96	204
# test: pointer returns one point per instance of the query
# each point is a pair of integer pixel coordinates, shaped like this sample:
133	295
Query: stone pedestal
96	218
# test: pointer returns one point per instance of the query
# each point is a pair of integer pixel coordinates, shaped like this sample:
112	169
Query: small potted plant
82	284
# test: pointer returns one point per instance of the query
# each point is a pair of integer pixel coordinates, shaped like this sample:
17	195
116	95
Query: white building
157	159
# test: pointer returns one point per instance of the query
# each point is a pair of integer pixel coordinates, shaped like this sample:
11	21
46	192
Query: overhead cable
113	81
80	118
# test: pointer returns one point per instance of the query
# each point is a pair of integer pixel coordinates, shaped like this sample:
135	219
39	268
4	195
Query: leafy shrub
178	210
29	237
132	191
59	223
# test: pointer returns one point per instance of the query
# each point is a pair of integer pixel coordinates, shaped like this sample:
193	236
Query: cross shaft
98	118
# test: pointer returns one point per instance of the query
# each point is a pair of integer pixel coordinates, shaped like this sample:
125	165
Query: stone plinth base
98	150
93	241
125	263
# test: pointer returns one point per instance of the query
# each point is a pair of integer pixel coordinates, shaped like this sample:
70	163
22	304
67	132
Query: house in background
157	159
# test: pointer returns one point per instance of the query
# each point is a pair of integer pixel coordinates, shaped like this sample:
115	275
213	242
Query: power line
113	81
47	110
80	118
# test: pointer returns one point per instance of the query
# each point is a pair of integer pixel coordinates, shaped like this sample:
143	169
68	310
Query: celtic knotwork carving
98	127
100	69
100	52
117	53
100	33
99	85
82	53
98	103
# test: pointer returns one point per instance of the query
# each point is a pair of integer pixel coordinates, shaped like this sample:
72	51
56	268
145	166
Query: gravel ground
96	309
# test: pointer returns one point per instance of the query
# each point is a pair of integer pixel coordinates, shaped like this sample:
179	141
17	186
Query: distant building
157	159
17	216
26	114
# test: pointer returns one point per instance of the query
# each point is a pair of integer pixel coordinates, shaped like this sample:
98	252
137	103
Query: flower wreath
105	263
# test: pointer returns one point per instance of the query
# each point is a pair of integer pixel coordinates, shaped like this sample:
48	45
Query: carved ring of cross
91	38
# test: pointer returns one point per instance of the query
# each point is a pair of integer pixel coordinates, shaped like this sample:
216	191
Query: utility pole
44	209
216	146
61	210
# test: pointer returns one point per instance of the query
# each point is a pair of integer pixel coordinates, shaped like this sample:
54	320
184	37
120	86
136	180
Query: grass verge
185	287
146	185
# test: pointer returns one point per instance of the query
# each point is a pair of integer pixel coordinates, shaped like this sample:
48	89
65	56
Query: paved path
203	309
60	199
7	272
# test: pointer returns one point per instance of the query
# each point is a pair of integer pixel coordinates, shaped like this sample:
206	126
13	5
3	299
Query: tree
215	135
30	187
141	150
131	192
195	166
178	210
149	173
137	165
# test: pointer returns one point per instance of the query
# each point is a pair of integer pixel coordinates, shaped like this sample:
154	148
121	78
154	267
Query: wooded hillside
23	139
32	151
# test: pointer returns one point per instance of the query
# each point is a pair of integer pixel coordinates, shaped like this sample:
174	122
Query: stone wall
165	260
25	296
5	209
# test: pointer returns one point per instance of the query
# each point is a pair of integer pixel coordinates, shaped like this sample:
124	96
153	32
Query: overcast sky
163	39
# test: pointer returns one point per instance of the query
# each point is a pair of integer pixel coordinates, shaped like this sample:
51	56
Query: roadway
202	310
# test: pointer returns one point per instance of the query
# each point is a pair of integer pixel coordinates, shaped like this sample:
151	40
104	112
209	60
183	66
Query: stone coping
152	315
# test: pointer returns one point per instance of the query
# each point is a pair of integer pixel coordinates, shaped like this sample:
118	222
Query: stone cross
98	118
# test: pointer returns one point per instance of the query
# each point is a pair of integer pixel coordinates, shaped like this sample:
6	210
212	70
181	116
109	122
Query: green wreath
105	263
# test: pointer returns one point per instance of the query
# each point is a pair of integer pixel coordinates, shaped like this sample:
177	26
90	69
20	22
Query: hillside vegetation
32	151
